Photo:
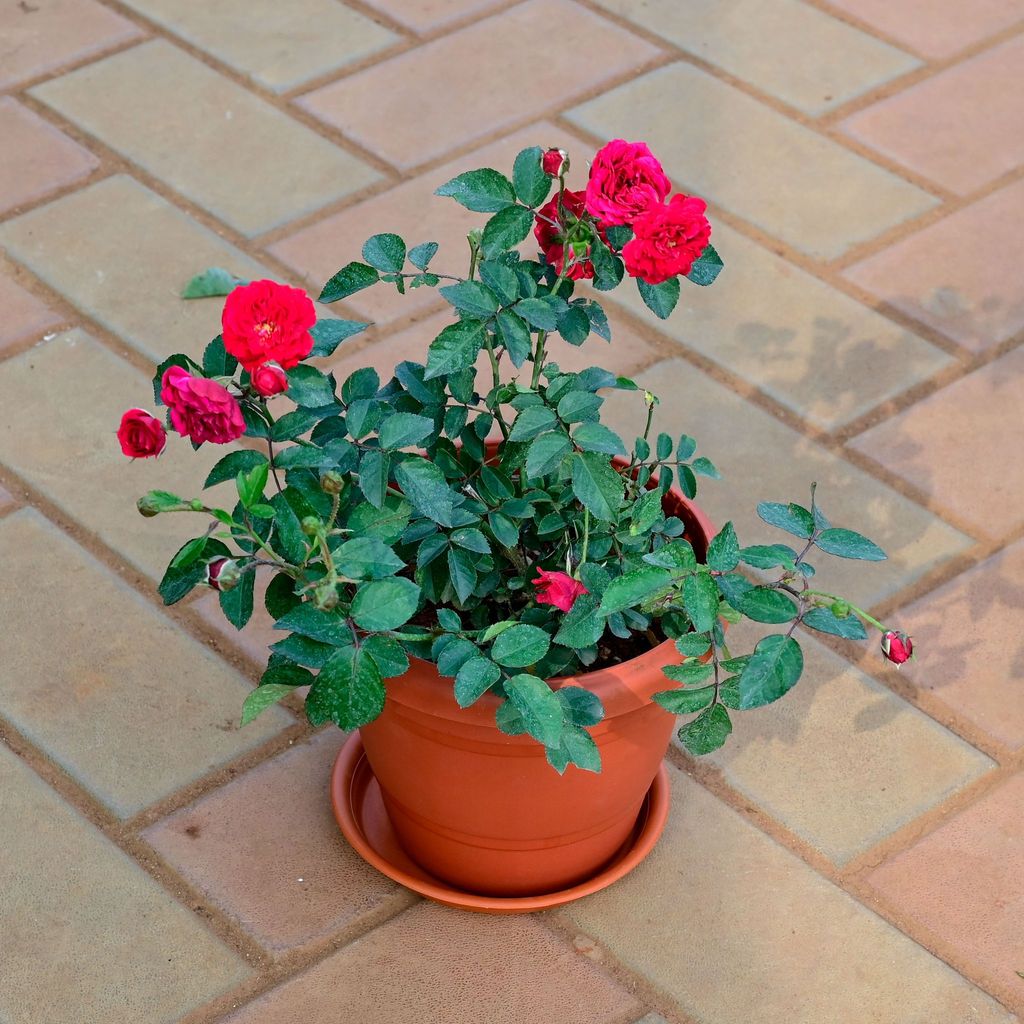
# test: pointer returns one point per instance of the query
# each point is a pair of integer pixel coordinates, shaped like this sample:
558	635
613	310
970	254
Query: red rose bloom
557	588
551	236
141	434
625	179
201	409
269	379
266	321
667	239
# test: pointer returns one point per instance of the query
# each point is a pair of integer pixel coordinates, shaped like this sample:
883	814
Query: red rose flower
897	647
667	239
200	409
266	321
625	179
269	379
552	235
555	162
557	588
141	434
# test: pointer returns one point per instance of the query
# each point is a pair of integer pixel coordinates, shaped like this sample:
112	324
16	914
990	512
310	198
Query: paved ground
856	854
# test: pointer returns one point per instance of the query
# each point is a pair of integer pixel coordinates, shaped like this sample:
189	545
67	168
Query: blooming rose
552	235
897	646
200	409
557	588
625	179
269	379
266	321
141	434
555	162
667	239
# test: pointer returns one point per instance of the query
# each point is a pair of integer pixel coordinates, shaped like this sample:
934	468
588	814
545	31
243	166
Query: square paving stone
787	48
734	928
417	106
761	459
841	760
959	275
807	345
280	46
432	962
203	135
811	192
40	36
970	644
427	15
113	691
24	315
962	446
88	936
36	158
962	128
964	884
314	886
122	254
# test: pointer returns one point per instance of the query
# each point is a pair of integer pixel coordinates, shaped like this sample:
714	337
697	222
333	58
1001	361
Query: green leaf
706	267
578	406
216	361
500	279
462	573
690	673
531	421
188	554
583	625
178	582
232	464
646	511
618	235
540	709
471	297
474	679
348	691
546	452
329	334
520	645
289	540
539	312
515	336
579	745
300	421
483	190
660	299
767	556
251	485
574	325
262	698
676	555
633	588
700	595
724	550
826	621
387	655
705	467
693	645
403	429
237	602
685	702
303	651
608	268
420	255
454	349
352	278
307	386
794	519
772	671
385	604
472	540
707	732
374	466
385	252
763	604
531	183
597	486
580	705
212	281
327	627
280	597
847	544
505	230
426	487
363	383
366	558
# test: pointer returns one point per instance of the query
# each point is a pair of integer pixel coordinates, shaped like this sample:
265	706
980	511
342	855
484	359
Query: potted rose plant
508	600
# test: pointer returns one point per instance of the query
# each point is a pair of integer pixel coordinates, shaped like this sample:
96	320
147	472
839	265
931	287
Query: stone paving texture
855	854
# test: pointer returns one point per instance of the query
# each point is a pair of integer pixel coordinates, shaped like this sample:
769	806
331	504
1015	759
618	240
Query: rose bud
332	482
269	379
325	597
141	434
897	646
558	589
555	162
311	526
222	574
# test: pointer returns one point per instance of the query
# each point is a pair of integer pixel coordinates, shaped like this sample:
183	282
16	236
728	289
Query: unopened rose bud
897	646
332	482
222	574
146	507
325	597
555	162
840	609
310	526
269	379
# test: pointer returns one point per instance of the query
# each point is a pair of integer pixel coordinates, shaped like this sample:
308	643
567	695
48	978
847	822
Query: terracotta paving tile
121	254
60	436
813	193
280	46
6	499
68	900
387	109
970	651
93	673
203	134
935	28
40	36
24	315
843	761
962	446
761	459
426	15
733	928
963	883
314	886
807	345
36	158
962	128
958	275
504	970
789	49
